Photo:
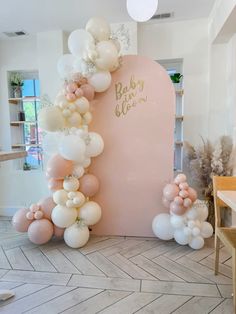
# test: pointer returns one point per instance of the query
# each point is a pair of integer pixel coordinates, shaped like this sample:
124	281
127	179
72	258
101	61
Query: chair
227	235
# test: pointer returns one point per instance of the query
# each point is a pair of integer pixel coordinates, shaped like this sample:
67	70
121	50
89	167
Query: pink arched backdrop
136	120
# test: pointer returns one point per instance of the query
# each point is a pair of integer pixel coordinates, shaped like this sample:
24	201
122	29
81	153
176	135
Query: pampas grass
210	160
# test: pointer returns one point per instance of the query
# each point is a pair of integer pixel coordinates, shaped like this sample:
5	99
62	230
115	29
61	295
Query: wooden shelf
179	92
25	145
12	155
18	123
15	101
179	118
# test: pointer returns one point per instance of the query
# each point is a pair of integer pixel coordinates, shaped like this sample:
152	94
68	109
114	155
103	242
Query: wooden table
12	155
229	198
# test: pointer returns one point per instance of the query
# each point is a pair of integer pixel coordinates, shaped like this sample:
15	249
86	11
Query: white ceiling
35	16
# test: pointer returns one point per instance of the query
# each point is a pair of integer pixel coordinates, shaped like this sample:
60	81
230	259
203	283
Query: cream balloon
72	147
50	119
60	197
71	184
98	28
79	199
107	55
78	41
74	120
78	171
63	217
90	213
95	146
76	235
101	81
87	118
82	105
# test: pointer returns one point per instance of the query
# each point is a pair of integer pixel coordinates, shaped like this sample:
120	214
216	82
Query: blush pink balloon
71	97
183	186
180	178
79	92
40	231
183	193
30	216
170	191
89	185
58	167
46	206
177	209
187	202
88	91
165	202
192	194
178	200
38	214
19	220
58	232
71	87
83	81
55	184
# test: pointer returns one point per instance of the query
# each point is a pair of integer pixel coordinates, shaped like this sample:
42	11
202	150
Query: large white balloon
202	210
78	41
72	147
90	213
162	227
63	217
98	28
196	243
101	81
140	10
107	55
181	237
76	235
50	143
95	146
65	65
206	230
177	221
50	119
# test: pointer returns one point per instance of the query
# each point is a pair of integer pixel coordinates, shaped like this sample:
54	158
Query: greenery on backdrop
210	160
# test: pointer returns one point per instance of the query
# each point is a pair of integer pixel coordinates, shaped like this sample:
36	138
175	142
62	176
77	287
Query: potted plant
16	81
175	78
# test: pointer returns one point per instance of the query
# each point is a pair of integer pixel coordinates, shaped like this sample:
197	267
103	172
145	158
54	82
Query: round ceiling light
142	10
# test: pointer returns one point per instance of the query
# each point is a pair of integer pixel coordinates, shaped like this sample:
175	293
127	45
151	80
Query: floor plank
17	259
226	307
4	263
38	260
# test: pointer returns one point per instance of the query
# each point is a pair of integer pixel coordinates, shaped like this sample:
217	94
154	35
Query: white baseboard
8	211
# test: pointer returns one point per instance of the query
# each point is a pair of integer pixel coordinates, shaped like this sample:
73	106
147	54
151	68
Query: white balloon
60	197
78	171
187	231
65	65
78	41
192	213
95	146
177	221
63	217
191	224
107	55
206	230
50	119
196	243
70	204
181	237
50	143
162	227
196	231
98	28
202	210
142	11
71	184
79	199
72	147
82	105
86	163
90	213
74	120
76	235
101	81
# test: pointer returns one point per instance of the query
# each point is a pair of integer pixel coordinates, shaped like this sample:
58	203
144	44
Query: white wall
20	188
187	40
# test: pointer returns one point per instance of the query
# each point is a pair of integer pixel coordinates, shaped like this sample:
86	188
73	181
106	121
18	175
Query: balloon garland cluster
186	221
69	212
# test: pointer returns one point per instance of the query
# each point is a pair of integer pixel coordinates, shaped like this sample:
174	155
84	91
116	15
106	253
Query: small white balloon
65	65
196	231
95	146
71	184
192	214
187	231
70	204
86	163
99	28
51	119
72	147
78	41
101	81
71	195
87	118
90	213
78	171
60	197
79	199
76	235
63	217
162	227
206	230
82	105
177	221
196	243
181	237
191	224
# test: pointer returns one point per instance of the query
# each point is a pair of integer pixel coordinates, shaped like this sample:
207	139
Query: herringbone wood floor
112	275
